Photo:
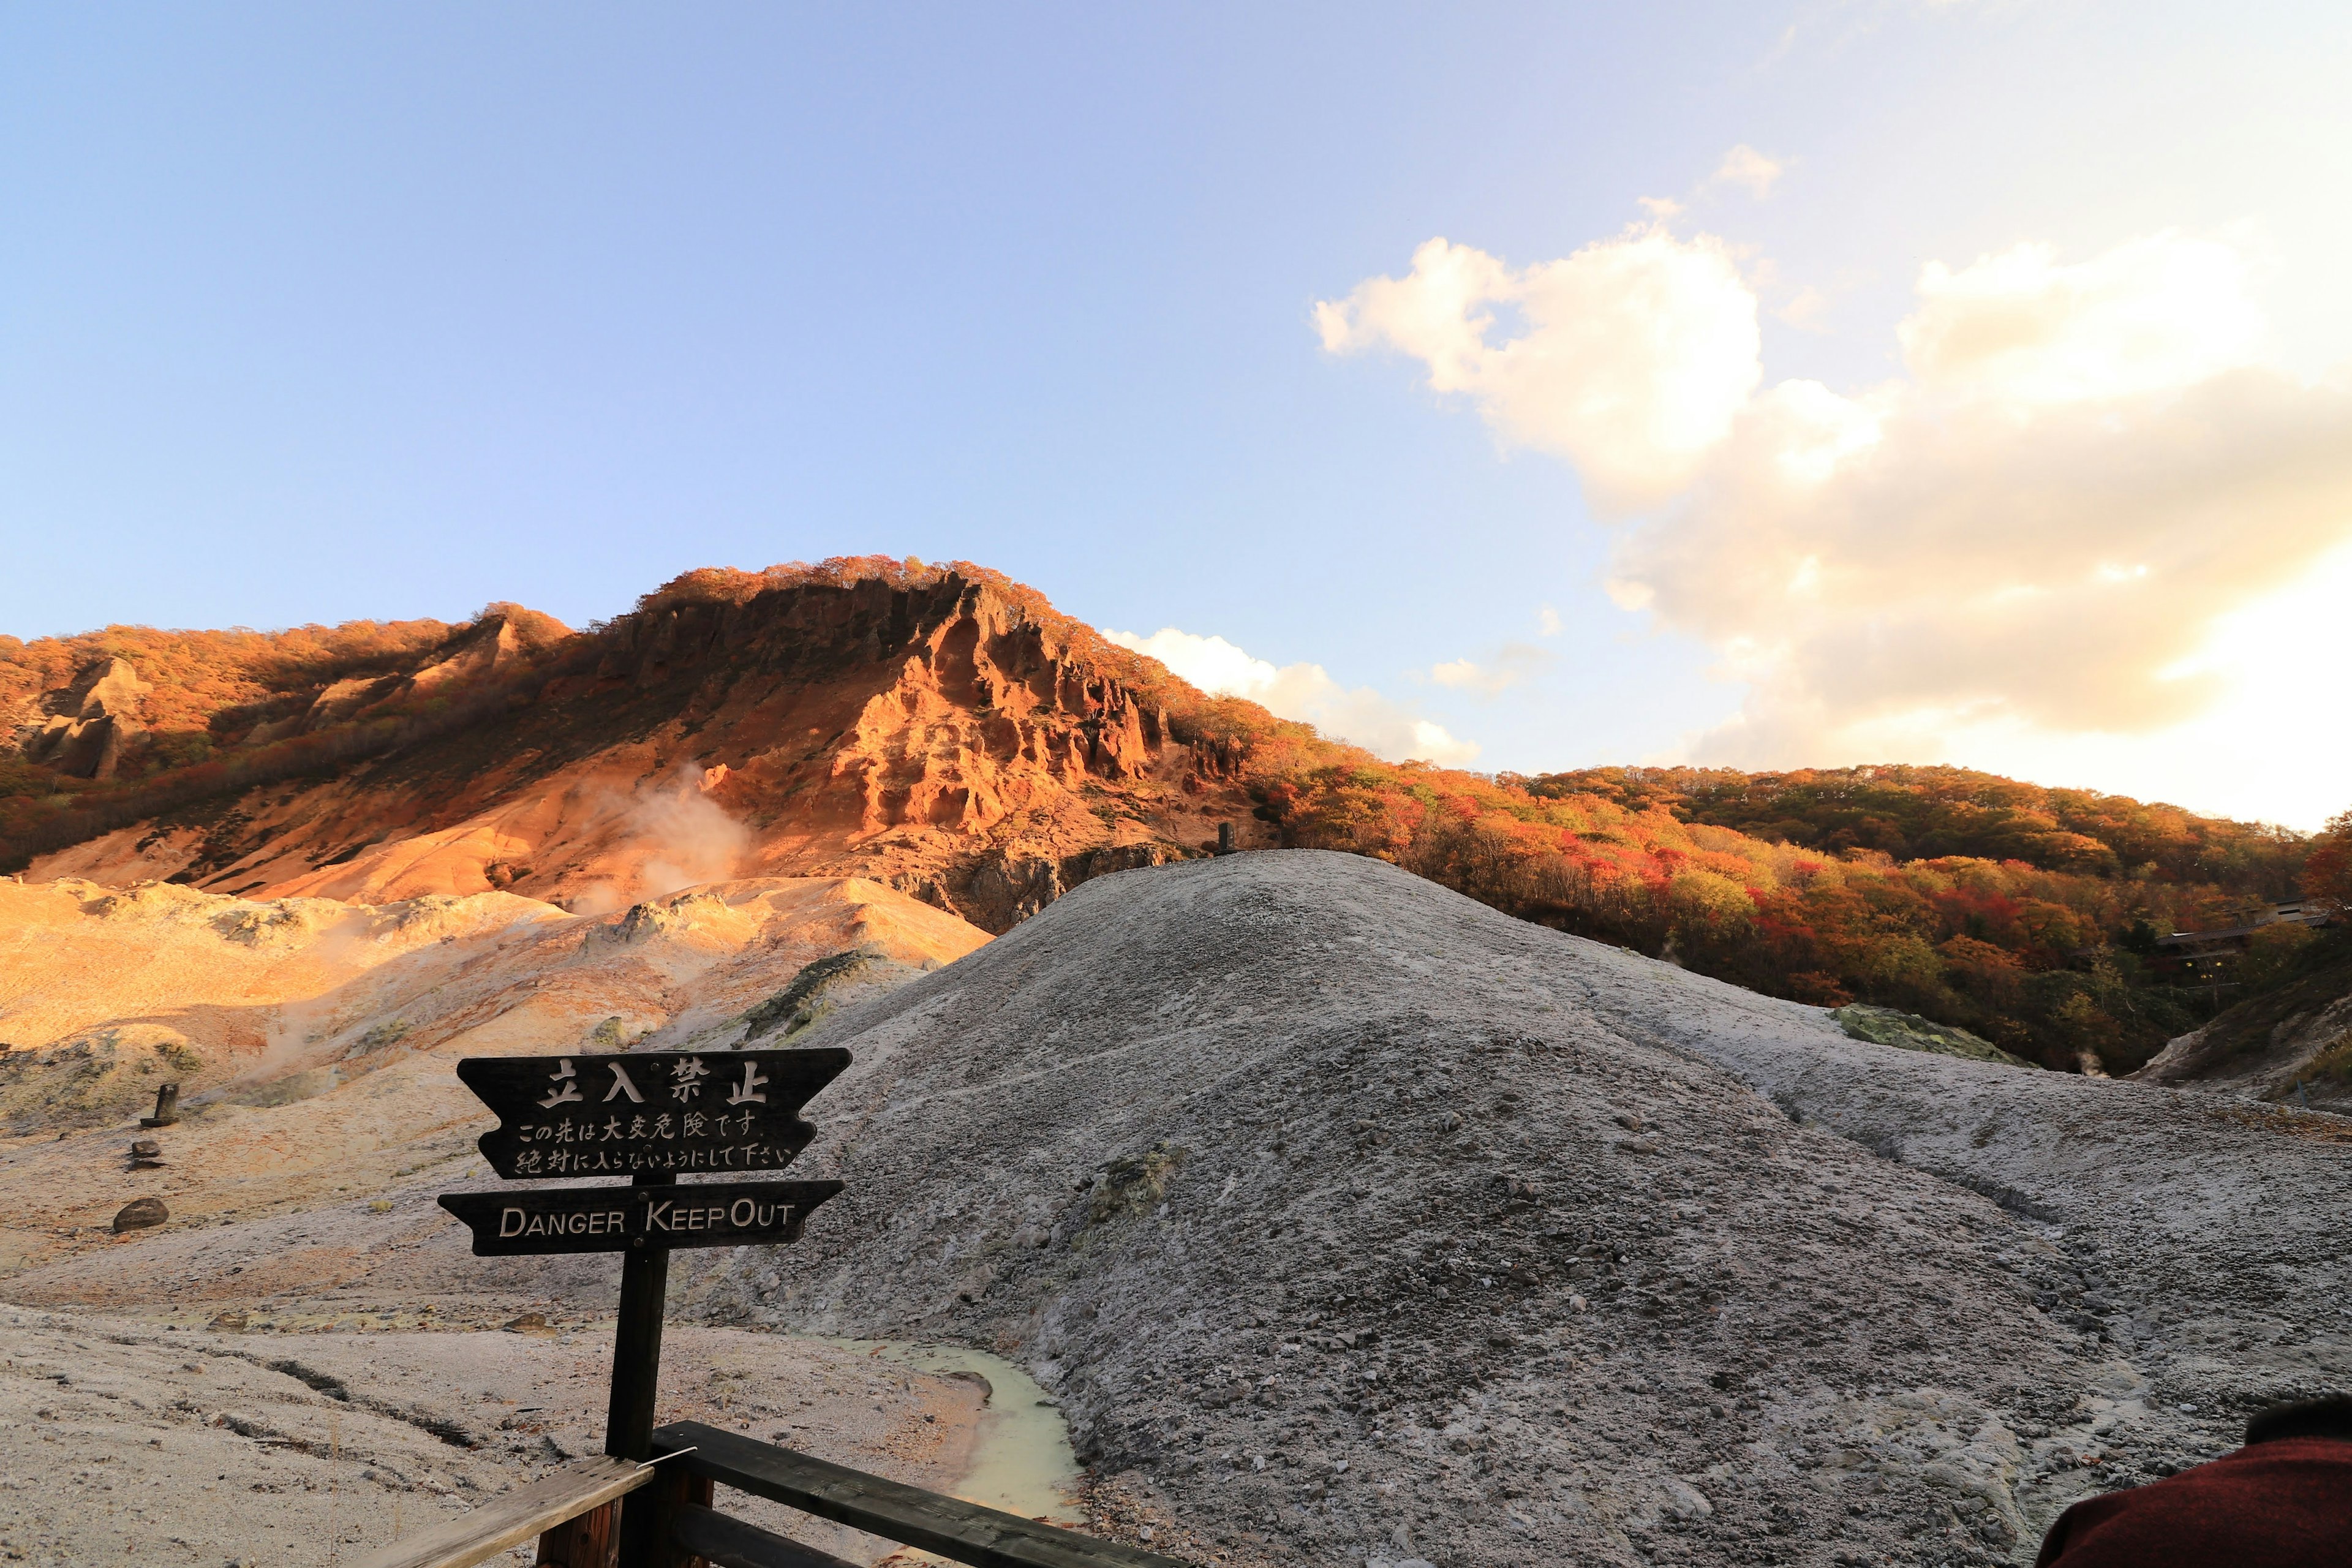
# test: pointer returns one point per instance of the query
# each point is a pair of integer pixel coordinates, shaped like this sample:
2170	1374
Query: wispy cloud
1305	693
1749	170
2086	467
1515	663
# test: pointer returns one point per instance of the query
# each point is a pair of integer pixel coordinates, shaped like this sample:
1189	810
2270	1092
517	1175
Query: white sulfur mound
1353	1221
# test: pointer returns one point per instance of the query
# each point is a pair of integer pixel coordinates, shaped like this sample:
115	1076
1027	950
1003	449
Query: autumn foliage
2023	914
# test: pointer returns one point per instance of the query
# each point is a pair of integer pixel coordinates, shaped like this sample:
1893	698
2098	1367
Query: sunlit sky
1521	386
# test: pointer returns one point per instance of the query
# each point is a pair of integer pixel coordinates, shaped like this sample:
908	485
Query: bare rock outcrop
83	726
938	729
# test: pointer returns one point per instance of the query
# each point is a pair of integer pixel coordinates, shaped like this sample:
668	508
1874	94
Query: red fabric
2282	1504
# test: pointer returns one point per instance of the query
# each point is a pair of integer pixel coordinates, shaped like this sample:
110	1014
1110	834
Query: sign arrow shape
647	1112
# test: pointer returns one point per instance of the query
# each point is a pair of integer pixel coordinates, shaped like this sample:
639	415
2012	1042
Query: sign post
653	1117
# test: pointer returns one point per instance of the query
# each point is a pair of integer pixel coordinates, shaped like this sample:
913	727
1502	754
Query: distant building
2207	956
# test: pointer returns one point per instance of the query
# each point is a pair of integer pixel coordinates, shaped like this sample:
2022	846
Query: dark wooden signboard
656	1112
614	1219
652	1117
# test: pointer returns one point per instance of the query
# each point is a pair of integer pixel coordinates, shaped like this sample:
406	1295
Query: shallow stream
1022	1461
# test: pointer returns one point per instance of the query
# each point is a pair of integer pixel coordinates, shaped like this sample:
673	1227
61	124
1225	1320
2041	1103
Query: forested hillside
1931	812
2024	914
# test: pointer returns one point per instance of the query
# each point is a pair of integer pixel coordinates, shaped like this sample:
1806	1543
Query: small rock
231	1321
140	1213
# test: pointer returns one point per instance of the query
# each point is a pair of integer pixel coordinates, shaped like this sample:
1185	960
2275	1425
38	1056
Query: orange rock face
938	731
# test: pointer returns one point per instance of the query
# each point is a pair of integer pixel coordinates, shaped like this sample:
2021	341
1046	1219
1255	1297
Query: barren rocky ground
1346	1220
1354	1221
140	1440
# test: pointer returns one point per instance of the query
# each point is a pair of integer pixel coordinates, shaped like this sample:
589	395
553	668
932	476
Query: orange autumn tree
2327	869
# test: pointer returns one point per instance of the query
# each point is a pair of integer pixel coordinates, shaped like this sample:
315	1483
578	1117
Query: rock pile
1353	1222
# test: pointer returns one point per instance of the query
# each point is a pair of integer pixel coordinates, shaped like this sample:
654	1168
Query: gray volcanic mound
1353	1221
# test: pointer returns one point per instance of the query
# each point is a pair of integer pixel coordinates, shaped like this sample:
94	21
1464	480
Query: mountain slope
2293	1044
947	732
1345	1217
937	728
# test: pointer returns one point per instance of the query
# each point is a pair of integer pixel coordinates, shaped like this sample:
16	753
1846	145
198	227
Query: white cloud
1548	622
2039	533
1803	309
1305	693
2022	331
1516	662
1636	353
1749	170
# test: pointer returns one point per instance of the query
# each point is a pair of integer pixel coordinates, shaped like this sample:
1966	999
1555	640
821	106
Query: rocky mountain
940	730
1350	1219
1342	1217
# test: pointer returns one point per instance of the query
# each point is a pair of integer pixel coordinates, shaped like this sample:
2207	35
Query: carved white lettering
564	1089
748	1091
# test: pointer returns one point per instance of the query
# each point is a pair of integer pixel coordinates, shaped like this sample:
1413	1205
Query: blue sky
309	314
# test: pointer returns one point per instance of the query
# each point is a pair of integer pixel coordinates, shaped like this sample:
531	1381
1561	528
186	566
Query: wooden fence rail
572	1511
949	1527
503	1522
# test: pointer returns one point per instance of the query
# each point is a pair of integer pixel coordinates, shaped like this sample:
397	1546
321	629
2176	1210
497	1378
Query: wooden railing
581	1488
667	1520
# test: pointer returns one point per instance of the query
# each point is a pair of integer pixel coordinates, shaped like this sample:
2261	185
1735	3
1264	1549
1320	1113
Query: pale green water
1022	1459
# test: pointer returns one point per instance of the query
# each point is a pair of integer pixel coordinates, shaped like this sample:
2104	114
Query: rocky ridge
1353	1221
937	728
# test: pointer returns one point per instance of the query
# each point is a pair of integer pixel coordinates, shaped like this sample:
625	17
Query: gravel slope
1352	1221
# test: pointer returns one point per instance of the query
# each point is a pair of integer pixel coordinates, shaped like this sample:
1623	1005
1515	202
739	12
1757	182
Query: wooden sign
650	1113
616	1219
651	1116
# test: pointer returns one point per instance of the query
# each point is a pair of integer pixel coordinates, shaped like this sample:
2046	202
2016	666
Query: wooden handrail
949	1527
724	1542
516	1517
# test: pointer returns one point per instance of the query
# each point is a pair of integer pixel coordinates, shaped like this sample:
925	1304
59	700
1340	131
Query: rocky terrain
294	1443
305	1322
938	729
1352	1221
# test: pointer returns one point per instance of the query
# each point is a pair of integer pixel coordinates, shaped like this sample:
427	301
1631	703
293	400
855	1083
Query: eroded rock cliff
941	730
